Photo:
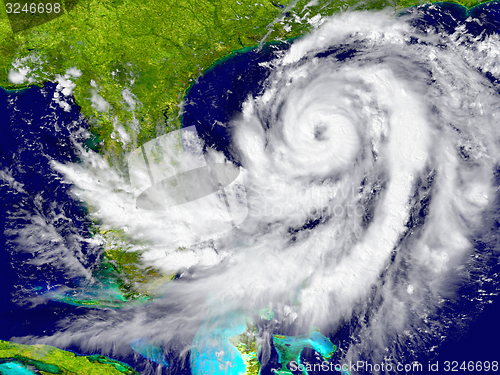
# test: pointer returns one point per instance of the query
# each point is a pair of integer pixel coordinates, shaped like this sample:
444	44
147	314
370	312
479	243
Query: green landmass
141	56
49	360
248	348
152	49
135	280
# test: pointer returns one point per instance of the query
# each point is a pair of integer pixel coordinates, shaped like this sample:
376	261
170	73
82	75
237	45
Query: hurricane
367	154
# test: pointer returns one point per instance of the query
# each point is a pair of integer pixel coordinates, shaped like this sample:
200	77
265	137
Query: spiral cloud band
369	154
409	128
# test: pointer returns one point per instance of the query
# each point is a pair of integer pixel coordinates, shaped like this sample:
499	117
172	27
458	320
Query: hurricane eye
321	132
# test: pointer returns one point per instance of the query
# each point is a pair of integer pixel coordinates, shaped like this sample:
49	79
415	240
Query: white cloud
98	102
18	77
129	98
74	72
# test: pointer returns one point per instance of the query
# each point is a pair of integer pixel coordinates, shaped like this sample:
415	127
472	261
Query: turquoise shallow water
15	368
213	353
150	351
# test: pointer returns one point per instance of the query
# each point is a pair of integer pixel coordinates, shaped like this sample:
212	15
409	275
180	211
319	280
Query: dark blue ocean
36	131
